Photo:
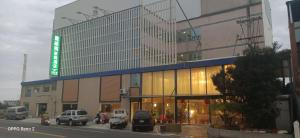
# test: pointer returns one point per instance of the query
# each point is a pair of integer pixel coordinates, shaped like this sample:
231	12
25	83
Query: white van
18	112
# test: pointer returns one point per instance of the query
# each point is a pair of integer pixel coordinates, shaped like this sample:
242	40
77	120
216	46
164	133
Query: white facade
138	37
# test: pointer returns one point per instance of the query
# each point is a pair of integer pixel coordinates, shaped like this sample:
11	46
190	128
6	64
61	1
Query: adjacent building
146	56
294	27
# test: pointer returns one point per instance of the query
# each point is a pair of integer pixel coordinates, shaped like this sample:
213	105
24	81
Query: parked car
142	120
119	119
18	112
72	117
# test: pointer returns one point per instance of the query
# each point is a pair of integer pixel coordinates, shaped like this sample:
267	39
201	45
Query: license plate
141	121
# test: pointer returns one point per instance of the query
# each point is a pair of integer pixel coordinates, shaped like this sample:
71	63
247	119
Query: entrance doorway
192	111
134	106
41	109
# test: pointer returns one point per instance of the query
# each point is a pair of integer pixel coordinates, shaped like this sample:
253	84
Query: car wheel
70	123
83	123
57	122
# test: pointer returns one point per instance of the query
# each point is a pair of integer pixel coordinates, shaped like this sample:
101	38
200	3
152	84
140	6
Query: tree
254	81
229	107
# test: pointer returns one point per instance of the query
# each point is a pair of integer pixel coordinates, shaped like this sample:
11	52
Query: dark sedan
142	120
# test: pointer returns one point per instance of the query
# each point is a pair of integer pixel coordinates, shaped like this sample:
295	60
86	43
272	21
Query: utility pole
250	29
24	68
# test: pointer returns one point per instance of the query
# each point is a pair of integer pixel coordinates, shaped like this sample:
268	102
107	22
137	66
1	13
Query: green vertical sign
55	55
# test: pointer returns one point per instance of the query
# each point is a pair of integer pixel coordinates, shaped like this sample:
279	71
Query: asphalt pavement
18	129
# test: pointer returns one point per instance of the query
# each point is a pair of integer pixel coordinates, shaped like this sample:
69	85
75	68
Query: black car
142	120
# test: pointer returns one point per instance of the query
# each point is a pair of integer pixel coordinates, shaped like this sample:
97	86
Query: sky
26	27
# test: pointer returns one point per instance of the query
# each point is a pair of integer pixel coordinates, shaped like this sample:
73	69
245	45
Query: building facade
146	58
294	27
141	36
180	92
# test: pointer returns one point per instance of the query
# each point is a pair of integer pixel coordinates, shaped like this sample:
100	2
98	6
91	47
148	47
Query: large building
146	56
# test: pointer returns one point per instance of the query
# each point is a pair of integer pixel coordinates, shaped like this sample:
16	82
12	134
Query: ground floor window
110	107
166	109
69	107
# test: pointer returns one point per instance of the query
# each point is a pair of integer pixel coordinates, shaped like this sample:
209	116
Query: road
17	129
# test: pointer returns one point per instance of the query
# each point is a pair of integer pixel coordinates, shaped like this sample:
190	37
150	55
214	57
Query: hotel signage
55	55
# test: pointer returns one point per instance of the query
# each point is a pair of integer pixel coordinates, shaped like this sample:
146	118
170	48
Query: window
81	113
189	35
135	80
198	81
28	93
183	82
69	107
169	83
46	89
109	107
53	87
22	109
210	71
36	90
157	83
147	84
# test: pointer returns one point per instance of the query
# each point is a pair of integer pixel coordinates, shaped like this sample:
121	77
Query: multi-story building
146	56
294	27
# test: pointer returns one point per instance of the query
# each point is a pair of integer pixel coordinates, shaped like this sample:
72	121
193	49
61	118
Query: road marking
40	133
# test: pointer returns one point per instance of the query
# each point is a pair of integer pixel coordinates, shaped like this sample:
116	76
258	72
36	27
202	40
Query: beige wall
219	32
88	98
211	6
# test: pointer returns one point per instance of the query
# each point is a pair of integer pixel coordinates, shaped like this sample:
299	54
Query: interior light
155	105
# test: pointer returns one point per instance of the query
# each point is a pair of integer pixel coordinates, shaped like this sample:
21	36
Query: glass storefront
178	94
198	81
183	82
192	111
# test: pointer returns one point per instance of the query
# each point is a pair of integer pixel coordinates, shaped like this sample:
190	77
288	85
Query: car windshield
81	113
142	115
21	109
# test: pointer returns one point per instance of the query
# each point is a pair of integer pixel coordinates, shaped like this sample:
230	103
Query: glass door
134	106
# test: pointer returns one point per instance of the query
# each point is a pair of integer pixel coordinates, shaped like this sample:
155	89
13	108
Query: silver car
119	119
72	117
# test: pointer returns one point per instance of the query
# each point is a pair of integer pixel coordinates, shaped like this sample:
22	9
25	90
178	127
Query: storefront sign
55	55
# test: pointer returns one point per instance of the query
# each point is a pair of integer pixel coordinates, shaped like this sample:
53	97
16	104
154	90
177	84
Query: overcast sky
26	27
